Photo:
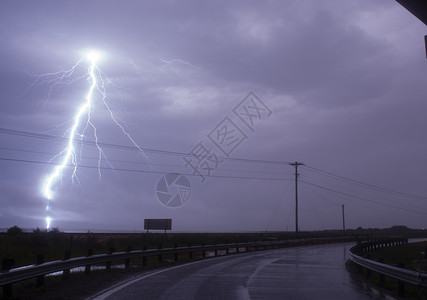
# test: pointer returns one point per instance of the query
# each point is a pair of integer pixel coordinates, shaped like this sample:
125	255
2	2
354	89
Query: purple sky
345	82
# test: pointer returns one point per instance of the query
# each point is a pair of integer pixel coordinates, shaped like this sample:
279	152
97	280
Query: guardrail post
401	287
176	253
66	272
6	265
108	264
127	261
87	267
368	271
382	277
160	256
190	253
144	259
203	251
40	279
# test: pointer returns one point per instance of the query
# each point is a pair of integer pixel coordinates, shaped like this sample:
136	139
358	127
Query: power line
321	196
141	171
341	185
362	191
177	153
361	198
368	184
138	162
388	212
129	148
276	209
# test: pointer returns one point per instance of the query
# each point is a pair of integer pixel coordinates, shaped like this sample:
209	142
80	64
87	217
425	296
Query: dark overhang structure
419	9
416	7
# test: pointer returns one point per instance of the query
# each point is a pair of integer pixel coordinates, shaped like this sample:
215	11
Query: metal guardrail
405	275
401	274
33	271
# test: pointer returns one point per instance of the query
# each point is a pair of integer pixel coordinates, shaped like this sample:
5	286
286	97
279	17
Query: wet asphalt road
310	272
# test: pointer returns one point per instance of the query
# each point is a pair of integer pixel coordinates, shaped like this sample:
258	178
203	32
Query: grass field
24	248
411	256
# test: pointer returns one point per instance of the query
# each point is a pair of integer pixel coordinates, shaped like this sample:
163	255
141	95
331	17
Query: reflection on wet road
311	272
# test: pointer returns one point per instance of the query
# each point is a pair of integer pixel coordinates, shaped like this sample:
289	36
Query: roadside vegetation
25	247
411	256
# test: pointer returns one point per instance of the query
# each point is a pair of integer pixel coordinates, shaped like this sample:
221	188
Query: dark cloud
345	83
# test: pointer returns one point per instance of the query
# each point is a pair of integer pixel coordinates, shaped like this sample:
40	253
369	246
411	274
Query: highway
309	272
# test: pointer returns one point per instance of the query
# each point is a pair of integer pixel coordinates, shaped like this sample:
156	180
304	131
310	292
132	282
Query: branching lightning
172	67
80	123
172	63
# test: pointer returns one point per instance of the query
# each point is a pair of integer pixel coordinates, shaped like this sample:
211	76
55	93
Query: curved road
309	272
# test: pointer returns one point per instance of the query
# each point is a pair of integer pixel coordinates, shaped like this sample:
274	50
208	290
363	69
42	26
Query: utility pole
343	220
296	164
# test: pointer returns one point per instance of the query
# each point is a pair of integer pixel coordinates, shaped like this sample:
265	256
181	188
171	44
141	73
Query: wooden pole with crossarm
296	164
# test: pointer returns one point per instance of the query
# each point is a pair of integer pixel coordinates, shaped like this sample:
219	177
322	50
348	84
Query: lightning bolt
174	65
80	123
